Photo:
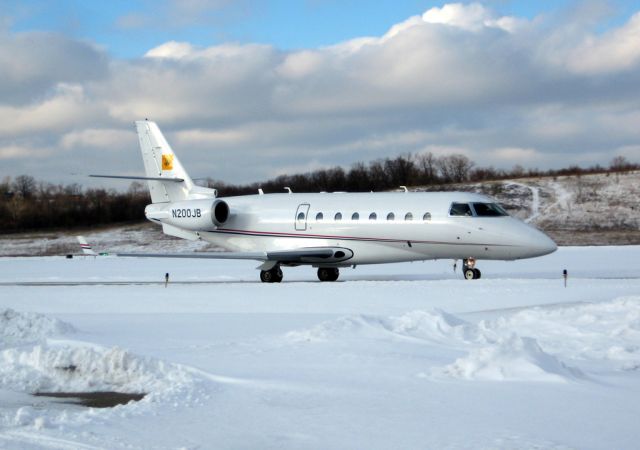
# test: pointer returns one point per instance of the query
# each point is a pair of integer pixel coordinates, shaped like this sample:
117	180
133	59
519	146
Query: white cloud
444	150
300	64
67	106
20	152
617	50
471	17
457	79
211	138
97	138
34	63
515	155
171	49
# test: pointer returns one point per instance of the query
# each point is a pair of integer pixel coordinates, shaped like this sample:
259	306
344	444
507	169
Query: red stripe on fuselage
350	238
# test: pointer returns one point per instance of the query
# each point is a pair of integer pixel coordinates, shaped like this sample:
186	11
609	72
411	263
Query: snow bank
597	332
436	325
513	359
86	369
495	350
30	363
20	328
587	331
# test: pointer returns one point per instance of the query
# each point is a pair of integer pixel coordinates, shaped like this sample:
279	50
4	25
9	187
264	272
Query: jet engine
194	215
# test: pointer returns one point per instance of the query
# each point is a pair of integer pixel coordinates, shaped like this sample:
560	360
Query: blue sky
127	29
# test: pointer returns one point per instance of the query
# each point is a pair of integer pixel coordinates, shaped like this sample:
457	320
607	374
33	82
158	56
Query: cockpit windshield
488	210
477	210
460	209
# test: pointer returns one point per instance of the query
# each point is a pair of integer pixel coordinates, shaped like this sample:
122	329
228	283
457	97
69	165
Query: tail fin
86	248
161	162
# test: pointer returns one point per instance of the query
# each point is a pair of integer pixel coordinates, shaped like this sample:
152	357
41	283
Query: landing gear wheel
328	274
266	276
273	275
469	269
470	274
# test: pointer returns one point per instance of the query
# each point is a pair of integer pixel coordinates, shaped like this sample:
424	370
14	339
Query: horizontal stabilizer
126	177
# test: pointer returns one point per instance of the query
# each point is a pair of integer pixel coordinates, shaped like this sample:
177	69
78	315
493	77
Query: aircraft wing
304	255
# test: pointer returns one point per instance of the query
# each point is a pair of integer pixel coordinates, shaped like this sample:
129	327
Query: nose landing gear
469	270
273	275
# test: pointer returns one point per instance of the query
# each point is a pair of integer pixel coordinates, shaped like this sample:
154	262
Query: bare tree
454	168
25	185
428	168
620	164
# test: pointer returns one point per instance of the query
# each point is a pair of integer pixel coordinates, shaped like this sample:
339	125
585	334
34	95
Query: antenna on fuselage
260	191
288	189
404	188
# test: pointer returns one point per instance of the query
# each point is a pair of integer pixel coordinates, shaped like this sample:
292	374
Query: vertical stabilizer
161	162
86	248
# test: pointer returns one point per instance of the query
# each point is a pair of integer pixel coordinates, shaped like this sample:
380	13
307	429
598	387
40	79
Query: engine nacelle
220	213
194	215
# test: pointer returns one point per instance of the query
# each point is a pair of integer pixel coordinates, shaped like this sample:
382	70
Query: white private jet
328	230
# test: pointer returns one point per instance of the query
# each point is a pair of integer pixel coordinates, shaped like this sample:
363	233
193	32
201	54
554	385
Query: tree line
27	204
424	169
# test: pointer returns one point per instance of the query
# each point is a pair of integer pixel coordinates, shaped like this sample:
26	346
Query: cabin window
391	216
408	216
301	216
355	216
427	216
373	216
338	216
319	216
460	209
488	210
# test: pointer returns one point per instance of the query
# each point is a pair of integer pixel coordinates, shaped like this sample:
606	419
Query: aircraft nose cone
533	242
539	243
545	245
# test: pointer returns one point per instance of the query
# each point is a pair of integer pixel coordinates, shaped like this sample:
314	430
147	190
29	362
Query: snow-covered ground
392	356
142	237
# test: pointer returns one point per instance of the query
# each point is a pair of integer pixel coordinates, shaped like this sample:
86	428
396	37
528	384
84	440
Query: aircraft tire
266	276
470	274
328	274
271	276
477	274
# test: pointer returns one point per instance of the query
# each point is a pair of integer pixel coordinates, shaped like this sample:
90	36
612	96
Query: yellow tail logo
167	162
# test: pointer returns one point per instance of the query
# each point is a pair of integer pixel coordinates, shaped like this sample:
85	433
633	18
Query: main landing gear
273	275
469	269
328	273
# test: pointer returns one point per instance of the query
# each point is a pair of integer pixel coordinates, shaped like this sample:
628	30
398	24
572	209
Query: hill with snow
595	209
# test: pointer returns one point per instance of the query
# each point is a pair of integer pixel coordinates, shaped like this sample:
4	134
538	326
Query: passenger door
301	217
